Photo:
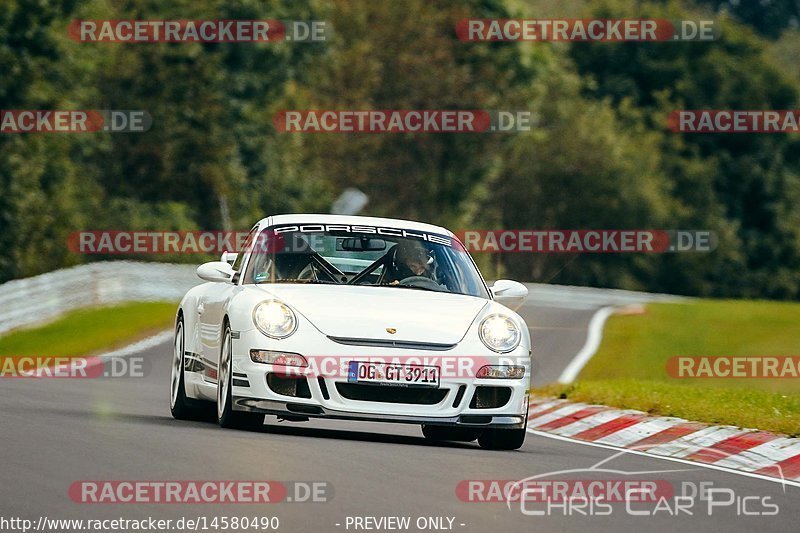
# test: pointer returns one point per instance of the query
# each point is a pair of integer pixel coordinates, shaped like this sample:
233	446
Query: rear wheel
182	407
227	417
451	433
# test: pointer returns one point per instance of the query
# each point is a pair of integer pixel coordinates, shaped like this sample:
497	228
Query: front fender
191	327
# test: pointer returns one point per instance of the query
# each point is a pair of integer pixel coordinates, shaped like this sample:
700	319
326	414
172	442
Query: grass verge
88	331
629	369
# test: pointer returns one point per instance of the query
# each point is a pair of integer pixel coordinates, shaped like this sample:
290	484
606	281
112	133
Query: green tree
744	186
42	195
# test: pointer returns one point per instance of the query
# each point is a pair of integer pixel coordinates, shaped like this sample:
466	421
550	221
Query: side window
248	243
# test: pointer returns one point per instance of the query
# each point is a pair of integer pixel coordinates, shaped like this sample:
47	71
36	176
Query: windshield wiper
296	280
415	287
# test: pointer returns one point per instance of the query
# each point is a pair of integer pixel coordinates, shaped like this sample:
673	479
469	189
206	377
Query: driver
410	259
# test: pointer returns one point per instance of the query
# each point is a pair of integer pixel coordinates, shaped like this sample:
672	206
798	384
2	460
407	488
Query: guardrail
572	297
30	301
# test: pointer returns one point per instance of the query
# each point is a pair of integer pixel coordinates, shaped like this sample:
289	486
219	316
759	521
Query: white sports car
354	318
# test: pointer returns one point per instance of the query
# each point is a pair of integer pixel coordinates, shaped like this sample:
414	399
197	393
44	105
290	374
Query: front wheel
502	439
227	417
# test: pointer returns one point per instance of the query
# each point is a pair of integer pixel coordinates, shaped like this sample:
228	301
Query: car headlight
274	319
499	333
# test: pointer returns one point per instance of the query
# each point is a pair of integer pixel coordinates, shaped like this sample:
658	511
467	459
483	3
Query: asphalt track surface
55	432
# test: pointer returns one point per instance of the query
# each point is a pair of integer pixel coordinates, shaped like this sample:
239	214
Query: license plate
393	374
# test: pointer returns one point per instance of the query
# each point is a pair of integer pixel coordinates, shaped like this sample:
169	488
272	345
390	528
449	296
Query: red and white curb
746	451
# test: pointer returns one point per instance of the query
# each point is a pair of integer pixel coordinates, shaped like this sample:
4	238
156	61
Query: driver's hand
395	282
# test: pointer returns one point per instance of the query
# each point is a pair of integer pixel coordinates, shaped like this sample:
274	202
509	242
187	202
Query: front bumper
293	409
458	401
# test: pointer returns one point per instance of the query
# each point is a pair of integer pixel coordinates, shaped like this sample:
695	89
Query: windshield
363	255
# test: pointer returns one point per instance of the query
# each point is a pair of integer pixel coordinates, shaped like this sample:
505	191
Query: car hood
367	312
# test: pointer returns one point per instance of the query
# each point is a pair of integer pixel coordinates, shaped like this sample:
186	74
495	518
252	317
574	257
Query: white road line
666	458
593	337
125	351
139	346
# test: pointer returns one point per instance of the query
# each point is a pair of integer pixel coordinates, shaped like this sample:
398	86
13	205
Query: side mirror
509	293
228	257
217	271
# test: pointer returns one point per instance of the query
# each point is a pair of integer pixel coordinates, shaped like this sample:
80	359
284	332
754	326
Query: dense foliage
599	156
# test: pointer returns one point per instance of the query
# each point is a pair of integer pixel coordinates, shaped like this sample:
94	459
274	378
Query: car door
211	311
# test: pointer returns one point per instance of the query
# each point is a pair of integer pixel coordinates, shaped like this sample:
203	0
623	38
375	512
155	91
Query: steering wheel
422	282
307	273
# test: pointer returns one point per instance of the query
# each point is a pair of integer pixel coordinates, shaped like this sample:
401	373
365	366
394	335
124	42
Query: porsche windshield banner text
117	242
362	230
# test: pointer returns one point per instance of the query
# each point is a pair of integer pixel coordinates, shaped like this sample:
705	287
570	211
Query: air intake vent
459	395
490	397
296	387
390	394
323	388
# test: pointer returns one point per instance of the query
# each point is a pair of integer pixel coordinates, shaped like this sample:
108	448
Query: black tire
181	406
451	433
502	439
226	416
